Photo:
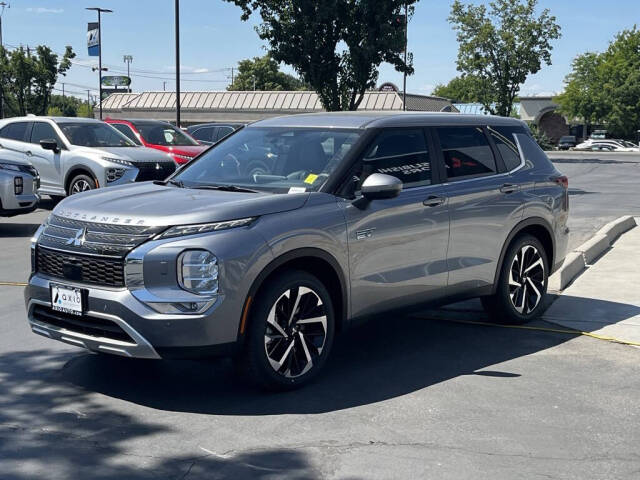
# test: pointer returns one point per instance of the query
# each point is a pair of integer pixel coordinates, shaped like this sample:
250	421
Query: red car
160	135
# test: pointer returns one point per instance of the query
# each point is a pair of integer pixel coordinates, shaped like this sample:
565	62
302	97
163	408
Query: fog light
114	174
181	307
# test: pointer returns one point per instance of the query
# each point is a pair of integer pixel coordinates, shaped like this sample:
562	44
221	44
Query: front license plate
66	299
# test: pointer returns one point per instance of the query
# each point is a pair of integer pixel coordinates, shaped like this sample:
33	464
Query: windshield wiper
225	188
177	183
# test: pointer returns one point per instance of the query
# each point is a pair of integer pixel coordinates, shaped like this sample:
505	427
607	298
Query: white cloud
44	10
427	88
200	70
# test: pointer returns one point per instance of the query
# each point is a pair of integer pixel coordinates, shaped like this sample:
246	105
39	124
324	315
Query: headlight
205	227
9	166
198	272
118	161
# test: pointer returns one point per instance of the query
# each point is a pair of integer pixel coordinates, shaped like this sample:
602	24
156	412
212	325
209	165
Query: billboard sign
388	87
116	81
93	39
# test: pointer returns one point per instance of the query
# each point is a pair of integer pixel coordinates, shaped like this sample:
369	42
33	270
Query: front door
47	162
398	246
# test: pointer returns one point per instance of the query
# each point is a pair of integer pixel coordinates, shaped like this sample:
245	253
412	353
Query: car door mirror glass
380	185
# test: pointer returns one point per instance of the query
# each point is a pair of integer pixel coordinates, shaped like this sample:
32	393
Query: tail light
562	180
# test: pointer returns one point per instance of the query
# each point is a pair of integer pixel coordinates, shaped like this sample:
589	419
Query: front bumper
144	332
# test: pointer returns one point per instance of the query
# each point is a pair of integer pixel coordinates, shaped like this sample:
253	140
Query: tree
262	73
463	89
605	87
27	78
502	46
68	106
335	45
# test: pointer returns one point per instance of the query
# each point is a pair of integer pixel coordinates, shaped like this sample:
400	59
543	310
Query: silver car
78	154
19	182
292	229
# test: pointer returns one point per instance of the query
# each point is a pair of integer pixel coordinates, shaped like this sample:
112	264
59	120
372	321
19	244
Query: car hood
153	204
189	151
138	154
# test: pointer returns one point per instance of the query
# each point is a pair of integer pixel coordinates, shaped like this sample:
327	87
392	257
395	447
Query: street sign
116	81
388	87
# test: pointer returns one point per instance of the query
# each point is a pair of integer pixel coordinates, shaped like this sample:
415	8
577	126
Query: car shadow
17	230
382	359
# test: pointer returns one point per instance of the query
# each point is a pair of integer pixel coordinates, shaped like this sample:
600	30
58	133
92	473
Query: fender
305	252
77	168
538	222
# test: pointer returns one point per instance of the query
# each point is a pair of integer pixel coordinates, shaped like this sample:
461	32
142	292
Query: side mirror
50	144
379	185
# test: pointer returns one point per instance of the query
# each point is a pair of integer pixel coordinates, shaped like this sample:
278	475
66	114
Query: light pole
3	5
128	59
406	41
100	12
177	63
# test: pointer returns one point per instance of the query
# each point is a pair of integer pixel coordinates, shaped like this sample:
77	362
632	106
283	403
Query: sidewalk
605	299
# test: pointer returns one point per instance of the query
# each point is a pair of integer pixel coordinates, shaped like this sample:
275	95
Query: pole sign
388	87
93	43
116	81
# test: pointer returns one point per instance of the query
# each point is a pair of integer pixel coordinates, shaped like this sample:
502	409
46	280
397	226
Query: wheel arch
315	261
539	228
79	170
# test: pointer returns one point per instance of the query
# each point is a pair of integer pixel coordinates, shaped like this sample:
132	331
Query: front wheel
81	183
522	283
291	332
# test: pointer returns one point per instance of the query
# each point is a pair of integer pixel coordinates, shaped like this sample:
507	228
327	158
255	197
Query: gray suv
292	229
74	154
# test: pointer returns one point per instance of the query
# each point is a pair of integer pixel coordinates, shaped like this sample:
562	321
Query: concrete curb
583	256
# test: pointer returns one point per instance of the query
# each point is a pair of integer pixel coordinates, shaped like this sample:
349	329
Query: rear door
397	246
14	136
47	162
484	205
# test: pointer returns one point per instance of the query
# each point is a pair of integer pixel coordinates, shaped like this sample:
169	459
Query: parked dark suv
288	231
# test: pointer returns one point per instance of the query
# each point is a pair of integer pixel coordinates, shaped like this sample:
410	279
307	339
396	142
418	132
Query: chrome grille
108	272
79	236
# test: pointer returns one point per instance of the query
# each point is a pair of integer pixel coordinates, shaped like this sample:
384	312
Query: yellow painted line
12	284
548	329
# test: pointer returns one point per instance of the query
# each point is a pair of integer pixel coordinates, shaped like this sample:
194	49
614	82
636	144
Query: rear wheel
522	284
291	332
81	183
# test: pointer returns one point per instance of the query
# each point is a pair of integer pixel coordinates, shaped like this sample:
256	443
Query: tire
81	183
276	355
517	301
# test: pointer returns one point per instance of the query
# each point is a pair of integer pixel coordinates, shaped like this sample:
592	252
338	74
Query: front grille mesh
80	268
154	170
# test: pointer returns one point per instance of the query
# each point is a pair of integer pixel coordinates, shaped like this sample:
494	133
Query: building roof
245	106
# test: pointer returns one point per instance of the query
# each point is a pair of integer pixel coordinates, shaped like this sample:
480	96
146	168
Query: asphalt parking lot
408	397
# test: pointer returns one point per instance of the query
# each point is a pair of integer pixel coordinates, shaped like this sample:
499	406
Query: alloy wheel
296	332
80	186
527	277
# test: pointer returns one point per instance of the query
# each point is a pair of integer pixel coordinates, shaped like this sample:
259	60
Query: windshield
279	160
94	135
164	134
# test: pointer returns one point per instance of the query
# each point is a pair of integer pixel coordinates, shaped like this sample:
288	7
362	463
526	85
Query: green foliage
604	88
501	46
335	45
85	110
540	137
463	89
55	112
27	78
265	73
68	105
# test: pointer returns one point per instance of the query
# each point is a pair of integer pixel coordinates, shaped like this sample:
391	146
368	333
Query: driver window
402	153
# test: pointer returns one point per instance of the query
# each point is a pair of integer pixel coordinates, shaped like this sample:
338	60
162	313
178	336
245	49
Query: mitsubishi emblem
78	239
157	166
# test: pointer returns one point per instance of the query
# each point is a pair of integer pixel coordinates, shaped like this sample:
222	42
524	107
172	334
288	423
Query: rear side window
466	152
126	130
402	154
223	132
532	153
15	131
504	138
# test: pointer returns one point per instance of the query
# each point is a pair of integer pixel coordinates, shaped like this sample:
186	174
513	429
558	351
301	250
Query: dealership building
249	106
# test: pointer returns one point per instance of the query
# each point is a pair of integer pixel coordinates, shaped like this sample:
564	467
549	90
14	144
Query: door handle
434	201
28	153
509	188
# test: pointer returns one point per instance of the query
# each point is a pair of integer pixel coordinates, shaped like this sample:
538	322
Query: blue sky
213	39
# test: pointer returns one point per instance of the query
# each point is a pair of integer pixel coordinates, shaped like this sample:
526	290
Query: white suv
77	154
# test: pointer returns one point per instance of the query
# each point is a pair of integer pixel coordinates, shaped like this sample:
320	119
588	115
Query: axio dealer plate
66	299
